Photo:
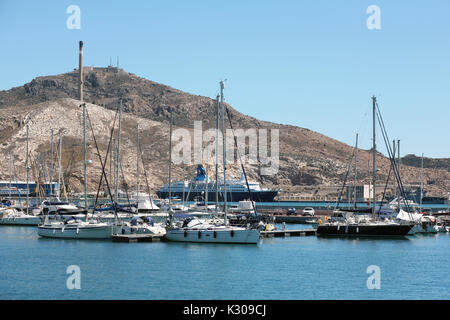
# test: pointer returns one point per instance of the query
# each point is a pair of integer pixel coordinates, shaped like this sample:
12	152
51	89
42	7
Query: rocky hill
47	103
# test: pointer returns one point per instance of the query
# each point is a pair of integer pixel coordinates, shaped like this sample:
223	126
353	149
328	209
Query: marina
239	152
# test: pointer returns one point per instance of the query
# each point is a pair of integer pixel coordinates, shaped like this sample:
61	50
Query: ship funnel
80	70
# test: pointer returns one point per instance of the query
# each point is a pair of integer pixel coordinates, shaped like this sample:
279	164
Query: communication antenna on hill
110	61
117	62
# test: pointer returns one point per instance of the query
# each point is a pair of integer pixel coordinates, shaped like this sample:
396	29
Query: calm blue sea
277	268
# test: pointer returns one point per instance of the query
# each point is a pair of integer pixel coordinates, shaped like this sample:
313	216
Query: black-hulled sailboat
356	225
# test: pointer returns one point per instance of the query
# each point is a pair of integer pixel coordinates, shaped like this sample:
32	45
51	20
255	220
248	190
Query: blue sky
312	64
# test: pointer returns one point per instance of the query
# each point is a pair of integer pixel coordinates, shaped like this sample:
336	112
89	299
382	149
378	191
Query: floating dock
288	233
137	237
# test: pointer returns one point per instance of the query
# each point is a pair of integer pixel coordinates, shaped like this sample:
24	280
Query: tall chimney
80	83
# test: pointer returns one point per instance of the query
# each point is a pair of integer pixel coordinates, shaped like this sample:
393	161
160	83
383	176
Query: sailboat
353	225
142	202
10	211
196	230
72	227
12	216
141	225
423	223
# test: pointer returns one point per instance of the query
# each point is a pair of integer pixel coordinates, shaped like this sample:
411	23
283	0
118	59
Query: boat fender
320	221
215	234
185	233
267	227
199	234
232	233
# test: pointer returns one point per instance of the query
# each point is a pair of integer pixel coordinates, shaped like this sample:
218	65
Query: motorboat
59	207
244	206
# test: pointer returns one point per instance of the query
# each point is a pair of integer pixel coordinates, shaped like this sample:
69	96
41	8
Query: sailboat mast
217	154
59	165
398	169
374	156
116	179
137	163
10	174
52	193
170	161
393	157
26	169
206	187
112	164
356	165
224	156
85	156
421	183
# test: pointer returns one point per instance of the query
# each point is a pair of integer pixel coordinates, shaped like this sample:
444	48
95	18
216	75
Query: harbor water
414	267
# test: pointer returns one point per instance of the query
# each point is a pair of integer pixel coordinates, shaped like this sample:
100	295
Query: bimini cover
404	215
135	220
258	215
148	220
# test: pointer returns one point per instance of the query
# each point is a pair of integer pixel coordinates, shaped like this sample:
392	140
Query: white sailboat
196	230
144	202
141	225
11	216
73	228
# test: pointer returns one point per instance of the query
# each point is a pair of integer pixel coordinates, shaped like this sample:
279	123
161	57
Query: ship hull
210	236
20	221
72	232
